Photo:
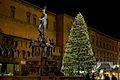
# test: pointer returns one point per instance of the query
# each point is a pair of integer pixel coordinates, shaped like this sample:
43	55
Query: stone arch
32	51
28	53
23	51
48	51
12	52
37	51
6	52
18	53
16	43
1	51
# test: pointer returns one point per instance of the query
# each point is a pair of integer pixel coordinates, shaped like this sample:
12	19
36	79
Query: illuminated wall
105	47
19	21
20	18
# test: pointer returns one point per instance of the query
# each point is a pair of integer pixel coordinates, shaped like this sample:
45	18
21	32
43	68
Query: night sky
101	15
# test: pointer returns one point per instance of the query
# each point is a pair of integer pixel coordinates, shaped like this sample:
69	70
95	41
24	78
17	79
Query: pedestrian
113	77
87	77
93	76
107	77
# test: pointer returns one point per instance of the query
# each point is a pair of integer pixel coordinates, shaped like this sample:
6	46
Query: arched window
35	51
6	51
16	43
23	51
18	53
38	51
0	51
32	51
28	17
12	53
28	52
12	14
34	19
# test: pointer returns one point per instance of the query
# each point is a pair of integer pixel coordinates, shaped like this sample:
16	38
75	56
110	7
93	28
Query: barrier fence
39	78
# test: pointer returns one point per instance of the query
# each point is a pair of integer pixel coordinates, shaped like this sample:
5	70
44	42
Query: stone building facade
19	23
105	48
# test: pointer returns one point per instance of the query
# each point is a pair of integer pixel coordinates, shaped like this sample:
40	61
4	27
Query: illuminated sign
23	62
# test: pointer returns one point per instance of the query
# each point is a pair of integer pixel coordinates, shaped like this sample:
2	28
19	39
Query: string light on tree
78	59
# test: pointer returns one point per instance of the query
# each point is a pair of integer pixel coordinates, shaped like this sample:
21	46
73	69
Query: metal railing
40	78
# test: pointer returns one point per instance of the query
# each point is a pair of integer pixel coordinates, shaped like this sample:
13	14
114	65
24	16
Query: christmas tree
78	59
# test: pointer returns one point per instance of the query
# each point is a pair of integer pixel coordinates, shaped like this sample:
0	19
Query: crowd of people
106	77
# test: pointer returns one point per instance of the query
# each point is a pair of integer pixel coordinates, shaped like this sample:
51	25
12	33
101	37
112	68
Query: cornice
33	6
14	20
101	33
68	16
13	36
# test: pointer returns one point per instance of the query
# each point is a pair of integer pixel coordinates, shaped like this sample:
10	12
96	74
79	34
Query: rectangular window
18	53
104	54
107	45
26	44
97	42
113	48
34	19
104	45
28	17
100	44
23	53
110	47
10	68
12	14
17	67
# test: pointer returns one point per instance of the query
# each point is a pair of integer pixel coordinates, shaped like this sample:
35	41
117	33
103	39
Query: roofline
28	4
96	30
68	15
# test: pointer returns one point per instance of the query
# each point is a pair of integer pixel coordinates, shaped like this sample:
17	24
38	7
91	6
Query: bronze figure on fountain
43	24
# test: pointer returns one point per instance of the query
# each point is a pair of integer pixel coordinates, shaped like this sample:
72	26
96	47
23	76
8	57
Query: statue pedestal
41	67
34	66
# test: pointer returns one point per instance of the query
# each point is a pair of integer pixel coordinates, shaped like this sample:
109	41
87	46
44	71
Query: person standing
107	77
113	77
87	77
93	76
